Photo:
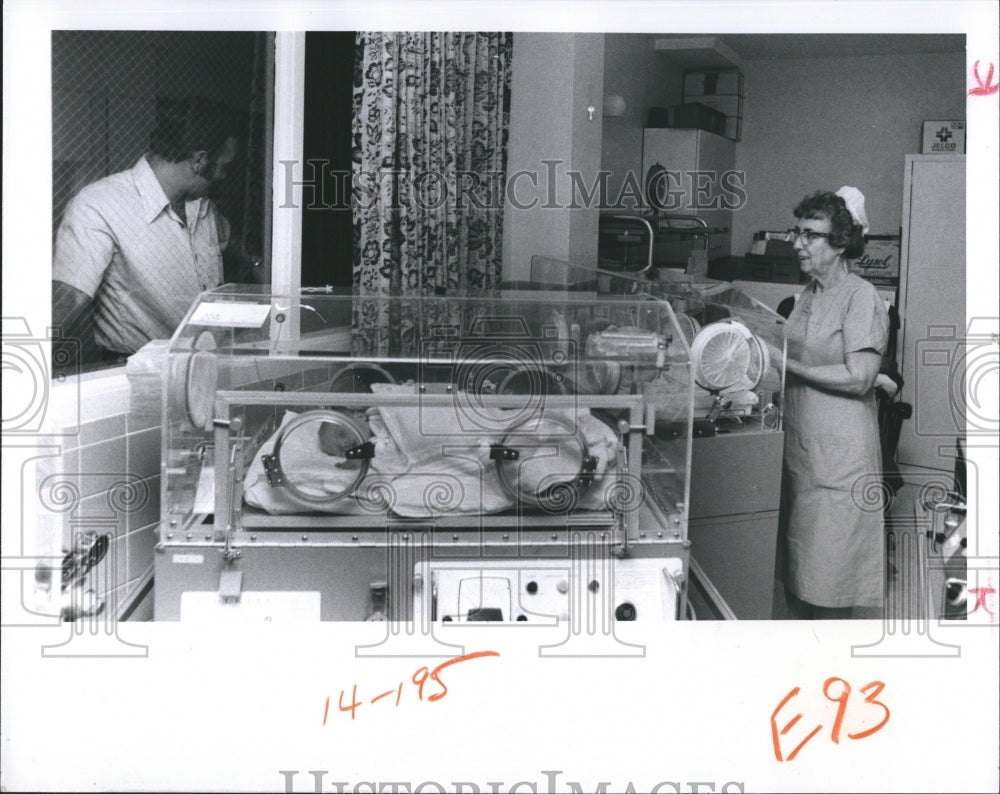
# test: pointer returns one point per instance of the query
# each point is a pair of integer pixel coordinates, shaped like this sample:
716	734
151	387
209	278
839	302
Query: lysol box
880	261
943	137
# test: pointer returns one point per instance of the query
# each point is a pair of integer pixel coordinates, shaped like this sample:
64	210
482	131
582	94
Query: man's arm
68	303
84	248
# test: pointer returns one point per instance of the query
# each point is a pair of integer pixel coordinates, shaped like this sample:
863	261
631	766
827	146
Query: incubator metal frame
278	353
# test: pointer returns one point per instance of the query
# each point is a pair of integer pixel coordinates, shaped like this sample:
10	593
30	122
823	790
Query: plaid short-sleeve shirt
121	243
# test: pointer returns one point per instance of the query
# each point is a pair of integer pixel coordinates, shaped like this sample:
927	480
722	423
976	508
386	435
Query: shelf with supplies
698	52
722	91
713	76
713	79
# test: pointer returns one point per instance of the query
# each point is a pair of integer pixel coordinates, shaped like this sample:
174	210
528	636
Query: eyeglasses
807	235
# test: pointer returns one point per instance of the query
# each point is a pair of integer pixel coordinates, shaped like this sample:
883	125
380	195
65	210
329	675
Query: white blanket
428	462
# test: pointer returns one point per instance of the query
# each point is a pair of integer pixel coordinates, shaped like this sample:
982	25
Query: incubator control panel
544	592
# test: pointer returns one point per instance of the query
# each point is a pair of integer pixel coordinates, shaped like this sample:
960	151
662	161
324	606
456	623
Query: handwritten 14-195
420	678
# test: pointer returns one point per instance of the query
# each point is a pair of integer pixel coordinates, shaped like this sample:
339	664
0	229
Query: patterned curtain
430	140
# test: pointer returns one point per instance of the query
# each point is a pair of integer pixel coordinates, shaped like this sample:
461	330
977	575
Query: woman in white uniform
835	337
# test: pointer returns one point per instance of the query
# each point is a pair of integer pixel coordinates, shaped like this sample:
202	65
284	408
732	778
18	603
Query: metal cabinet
733	524
932	305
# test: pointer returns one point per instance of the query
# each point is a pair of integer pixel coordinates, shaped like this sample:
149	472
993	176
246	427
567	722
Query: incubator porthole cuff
545	464
320	456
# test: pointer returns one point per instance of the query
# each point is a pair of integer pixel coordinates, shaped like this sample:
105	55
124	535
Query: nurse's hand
887	384
775	355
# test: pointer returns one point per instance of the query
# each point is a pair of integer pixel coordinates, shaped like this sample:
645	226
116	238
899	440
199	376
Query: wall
587	134
644	78
809	123
826	122
555	77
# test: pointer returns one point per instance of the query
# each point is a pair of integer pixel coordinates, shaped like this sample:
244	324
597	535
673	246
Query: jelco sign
943	137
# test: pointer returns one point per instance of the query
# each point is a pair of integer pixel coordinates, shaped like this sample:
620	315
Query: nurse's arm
856	376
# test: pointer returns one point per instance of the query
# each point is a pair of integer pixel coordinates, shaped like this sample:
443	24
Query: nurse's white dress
832	505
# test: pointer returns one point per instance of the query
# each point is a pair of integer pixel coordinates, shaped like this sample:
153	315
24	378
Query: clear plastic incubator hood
515	457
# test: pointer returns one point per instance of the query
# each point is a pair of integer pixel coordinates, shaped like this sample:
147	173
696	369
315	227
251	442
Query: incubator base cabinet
737	451
733	522
443	459
400	575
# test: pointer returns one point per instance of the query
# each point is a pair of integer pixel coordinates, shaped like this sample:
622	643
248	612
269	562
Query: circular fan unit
601	377
728	357
531	381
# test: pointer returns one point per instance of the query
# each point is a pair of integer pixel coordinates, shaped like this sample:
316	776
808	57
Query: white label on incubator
231	315
189	559
254	606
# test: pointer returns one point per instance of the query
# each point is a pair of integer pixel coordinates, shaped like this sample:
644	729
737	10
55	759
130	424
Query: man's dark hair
191	125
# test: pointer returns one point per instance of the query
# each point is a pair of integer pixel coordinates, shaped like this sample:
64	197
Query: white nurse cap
855	201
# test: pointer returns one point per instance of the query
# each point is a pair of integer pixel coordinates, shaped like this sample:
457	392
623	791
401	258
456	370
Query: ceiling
832	45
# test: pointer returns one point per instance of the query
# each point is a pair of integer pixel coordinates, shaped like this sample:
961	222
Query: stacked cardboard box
688	116
771	258
721	90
